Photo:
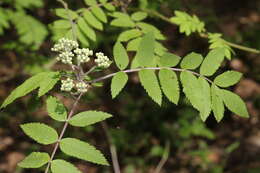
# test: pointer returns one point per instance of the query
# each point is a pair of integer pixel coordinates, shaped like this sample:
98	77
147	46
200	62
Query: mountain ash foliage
160	73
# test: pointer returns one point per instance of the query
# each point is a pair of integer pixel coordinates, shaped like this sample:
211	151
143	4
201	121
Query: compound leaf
191	61
120	56
170	85
41	133
118	83
56	109
35	160
228	78
59	166
216	41
188	24
88	118
31	31
82	150
150	83
234	103
212	62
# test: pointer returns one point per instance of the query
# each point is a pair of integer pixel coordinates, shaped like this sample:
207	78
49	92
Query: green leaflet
129	34
96	10
61	24
122	20
86	29
120	56
88	118
217	104
234	103
150	83
169	60
212	62
26	87
198	93
92	20
159	49
118	83
90	2
188	24
138	16
29	3
145	52
133	44
191	61
82	150
228	78
48	83
80	36
30	30
107	5
61	12
62	166
216	41
99	13
41	133
35	160
205	100
170	85
146	28
56	109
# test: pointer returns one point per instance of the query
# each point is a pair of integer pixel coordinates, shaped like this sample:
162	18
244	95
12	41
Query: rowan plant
160	73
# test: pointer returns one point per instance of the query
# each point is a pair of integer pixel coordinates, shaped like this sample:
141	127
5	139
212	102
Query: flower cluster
102	60
83	54
69	49
64	47
82	87
67	85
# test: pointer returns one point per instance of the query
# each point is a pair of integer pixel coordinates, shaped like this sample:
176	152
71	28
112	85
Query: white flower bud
102	60
65	57
82	87
67	85
65	44
83	54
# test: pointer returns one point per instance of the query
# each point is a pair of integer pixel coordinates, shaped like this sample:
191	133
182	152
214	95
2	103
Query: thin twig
63	131
204	35
147	68
90	70
163	159
112	148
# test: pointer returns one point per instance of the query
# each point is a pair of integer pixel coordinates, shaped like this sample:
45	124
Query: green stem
166	19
